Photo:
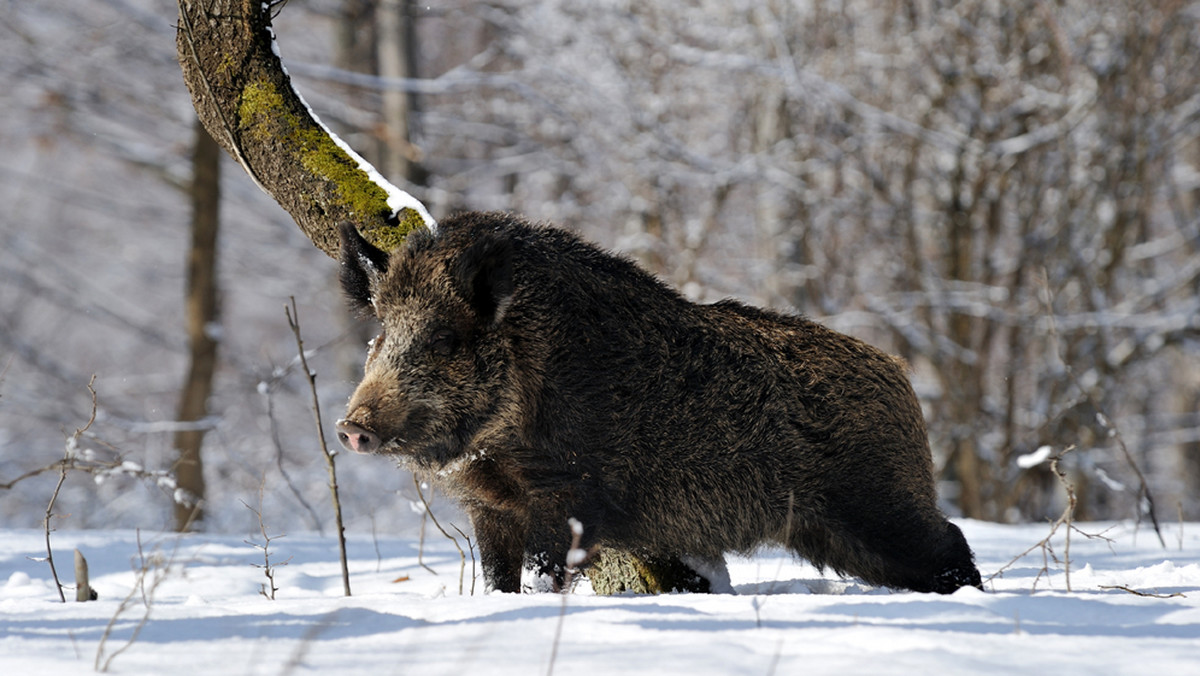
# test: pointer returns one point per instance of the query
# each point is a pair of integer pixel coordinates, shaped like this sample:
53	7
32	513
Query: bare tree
202	327
396	40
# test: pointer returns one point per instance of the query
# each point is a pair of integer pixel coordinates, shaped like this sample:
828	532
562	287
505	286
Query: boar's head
436	374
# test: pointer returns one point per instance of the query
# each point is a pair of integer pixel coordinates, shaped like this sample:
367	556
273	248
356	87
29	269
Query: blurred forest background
1005	193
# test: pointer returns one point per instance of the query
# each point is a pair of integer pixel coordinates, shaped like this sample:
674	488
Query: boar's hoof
357	438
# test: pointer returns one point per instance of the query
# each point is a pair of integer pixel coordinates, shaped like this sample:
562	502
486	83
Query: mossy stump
617	572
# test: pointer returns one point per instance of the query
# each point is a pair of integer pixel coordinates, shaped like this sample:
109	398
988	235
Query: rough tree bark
244	97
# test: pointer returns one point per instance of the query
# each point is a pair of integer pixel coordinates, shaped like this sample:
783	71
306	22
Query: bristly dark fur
483	275
541	378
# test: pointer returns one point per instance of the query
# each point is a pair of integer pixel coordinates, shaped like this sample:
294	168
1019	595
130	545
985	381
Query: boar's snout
356	438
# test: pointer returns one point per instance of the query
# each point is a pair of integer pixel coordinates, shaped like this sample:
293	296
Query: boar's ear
362	264
484	276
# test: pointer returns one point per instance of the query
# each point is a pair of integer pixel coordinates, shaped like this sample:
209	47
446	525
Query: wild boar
540	378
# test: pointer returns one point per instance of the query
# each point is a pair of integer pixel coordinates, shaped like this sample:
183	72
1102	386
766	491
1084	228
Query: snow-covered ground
203	613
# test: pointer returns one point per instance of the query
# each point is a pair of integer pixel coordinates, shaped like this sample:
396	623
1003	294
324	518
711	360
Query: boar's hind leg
932	558
501	539
956	567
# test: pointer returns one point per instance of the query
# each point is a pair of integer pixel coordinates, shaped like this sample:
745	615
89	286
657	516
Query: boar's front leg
501	537
551	537
544	568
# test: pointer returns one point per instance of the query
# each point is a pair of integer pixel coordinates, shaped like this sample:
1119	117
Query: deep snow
207	615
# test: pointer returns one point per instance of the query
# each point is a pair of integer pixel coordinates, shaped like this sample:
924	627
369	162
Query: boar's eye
442	342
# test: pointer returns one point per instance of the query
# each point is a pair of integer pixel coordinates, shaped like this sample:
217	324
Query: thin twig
1068	513
1065	519
1143	487
421	532
64	465
46	522
268	590
1135	592
470	548
375	543
462	556
52	467
293	318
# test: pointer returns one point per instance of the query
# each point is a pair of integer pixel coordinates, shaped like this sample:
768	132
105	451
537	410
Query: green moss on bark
386	239
615	572
264	116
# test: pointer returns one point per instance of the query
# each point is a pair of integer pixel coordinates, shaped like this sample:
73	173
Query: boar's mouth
368	440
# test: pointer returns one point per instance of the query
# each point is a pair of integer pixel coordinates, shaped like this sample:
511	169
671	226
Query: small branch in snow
1143	487
1121	587
293	319
72	445
470	548
421	508
46	522
1063	520
268	589
266	389
461	555
1067	515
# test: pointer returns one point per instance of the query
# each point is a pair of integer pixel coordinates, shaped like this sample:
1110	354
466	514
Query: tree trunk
396	54
202	314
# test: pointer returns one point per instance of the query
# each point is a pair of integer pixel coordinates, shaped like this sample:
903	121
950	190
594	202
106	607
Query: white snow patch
1034	459
713	570
534	582
208	616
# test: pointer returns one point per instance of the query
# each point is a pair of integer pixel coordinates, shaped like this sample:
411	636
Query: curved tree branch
244	97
